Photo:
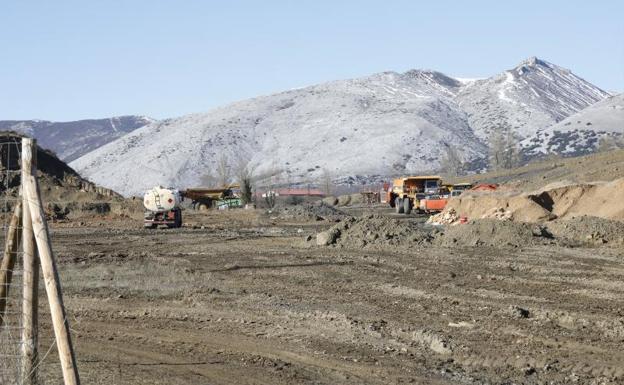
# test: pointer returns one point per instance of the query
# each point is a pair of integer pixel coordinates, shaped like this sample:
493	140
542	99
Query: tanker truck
162	207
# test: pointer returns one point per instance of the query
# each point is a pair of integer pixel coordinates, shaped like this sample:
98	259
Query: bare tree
223	170
208	180
245	177
451	162
608	143
327	183
505	150
268	181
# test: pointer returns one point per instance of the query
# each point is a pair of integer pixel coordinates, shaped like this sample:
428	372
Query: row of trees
241	171
504	153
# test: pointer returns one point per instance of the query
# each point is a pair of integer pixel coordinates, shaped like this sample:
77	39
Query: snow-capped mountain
580	133
383	124
532	96
71	140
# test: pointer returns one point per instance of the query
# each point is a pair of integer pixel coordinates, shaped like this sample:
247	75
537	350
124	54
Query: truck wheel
178	218
398	205
407	206
149	226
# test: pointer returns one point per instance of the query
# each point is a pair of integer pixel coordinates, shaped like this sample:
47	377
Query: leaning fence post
52	282
10	256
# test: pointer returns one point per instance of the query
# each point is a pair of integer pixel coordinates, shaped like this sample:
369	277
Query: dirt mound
483	205
309	212
51	171
600	199
492	232
344	200
375	231
588	230
65	193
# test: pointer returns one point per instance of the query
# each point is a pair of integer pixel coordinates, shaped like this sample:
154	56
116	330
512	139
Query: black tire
407	206
178	218
392	201
398	205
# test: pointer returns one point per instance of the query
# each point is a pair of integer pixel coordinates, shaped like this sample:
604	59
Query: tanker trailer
162	207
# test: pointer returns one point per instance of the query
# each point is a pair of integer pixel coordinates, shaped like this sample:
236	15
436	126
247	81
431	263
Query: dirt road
245	301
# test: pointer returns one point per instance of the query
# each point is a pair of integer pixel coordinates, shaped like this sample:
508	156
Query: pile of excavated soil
492	232
588	230
344	200
380	232
309	212
375	231
600	199
66	195
483	205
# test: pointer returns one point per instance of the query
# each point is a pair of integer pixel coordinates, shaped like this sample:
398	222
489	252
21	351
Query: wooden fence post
52	283
30	278
10	256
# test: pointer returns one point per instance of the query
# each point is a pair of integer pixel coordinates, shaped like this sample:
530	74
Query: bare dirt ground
238	297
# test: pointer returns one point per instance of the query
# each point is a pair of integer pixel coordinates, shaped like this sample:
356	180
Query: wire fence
11	330
11	327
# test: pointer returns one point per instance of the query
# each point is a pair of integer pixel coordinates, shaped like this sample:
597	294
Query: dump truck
205	198
435	203
162	207
407	192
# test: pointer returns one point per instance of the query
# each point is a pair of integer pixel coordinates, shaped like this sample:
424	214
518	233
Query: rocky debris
498	213
378	231
447	217
498	231
493	232
588	230
518	312
309	212
328	237
344	200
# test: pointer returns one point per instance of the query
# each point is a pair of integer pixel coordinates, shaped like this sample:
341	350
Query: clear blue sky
66	60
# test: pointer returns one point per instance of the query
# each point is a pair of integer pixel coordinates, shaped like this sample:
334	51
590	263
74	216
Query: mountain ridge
72	139
382	124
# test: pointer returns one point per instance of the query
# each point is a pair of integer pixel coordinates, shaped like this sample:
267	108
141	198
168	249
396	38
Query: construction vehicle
162	207
406	193
458	188
205	198
437	202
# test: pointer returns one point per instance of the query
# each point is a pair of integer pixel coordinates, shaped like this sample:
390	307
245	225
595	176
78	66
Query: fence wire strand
11	330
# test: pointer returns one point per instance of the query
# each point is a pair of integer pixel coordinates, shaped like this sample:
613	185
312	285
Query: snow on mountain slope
381	124
71	140
580	133
532	96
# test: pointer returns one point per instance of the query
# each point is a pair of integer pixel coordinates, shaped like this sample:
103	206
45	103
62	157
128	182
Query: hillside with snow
580	133
532	96
71	140
359	129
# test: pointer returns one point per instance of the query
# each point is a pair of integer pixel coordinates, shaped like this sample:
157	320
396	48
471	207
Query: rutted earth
240	297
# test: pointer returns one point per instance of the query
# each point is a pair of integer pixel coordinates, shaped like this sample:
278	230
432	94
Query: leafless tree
223	170
208	180
609	143
326	182
505	150
451	162
269	180
245	177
